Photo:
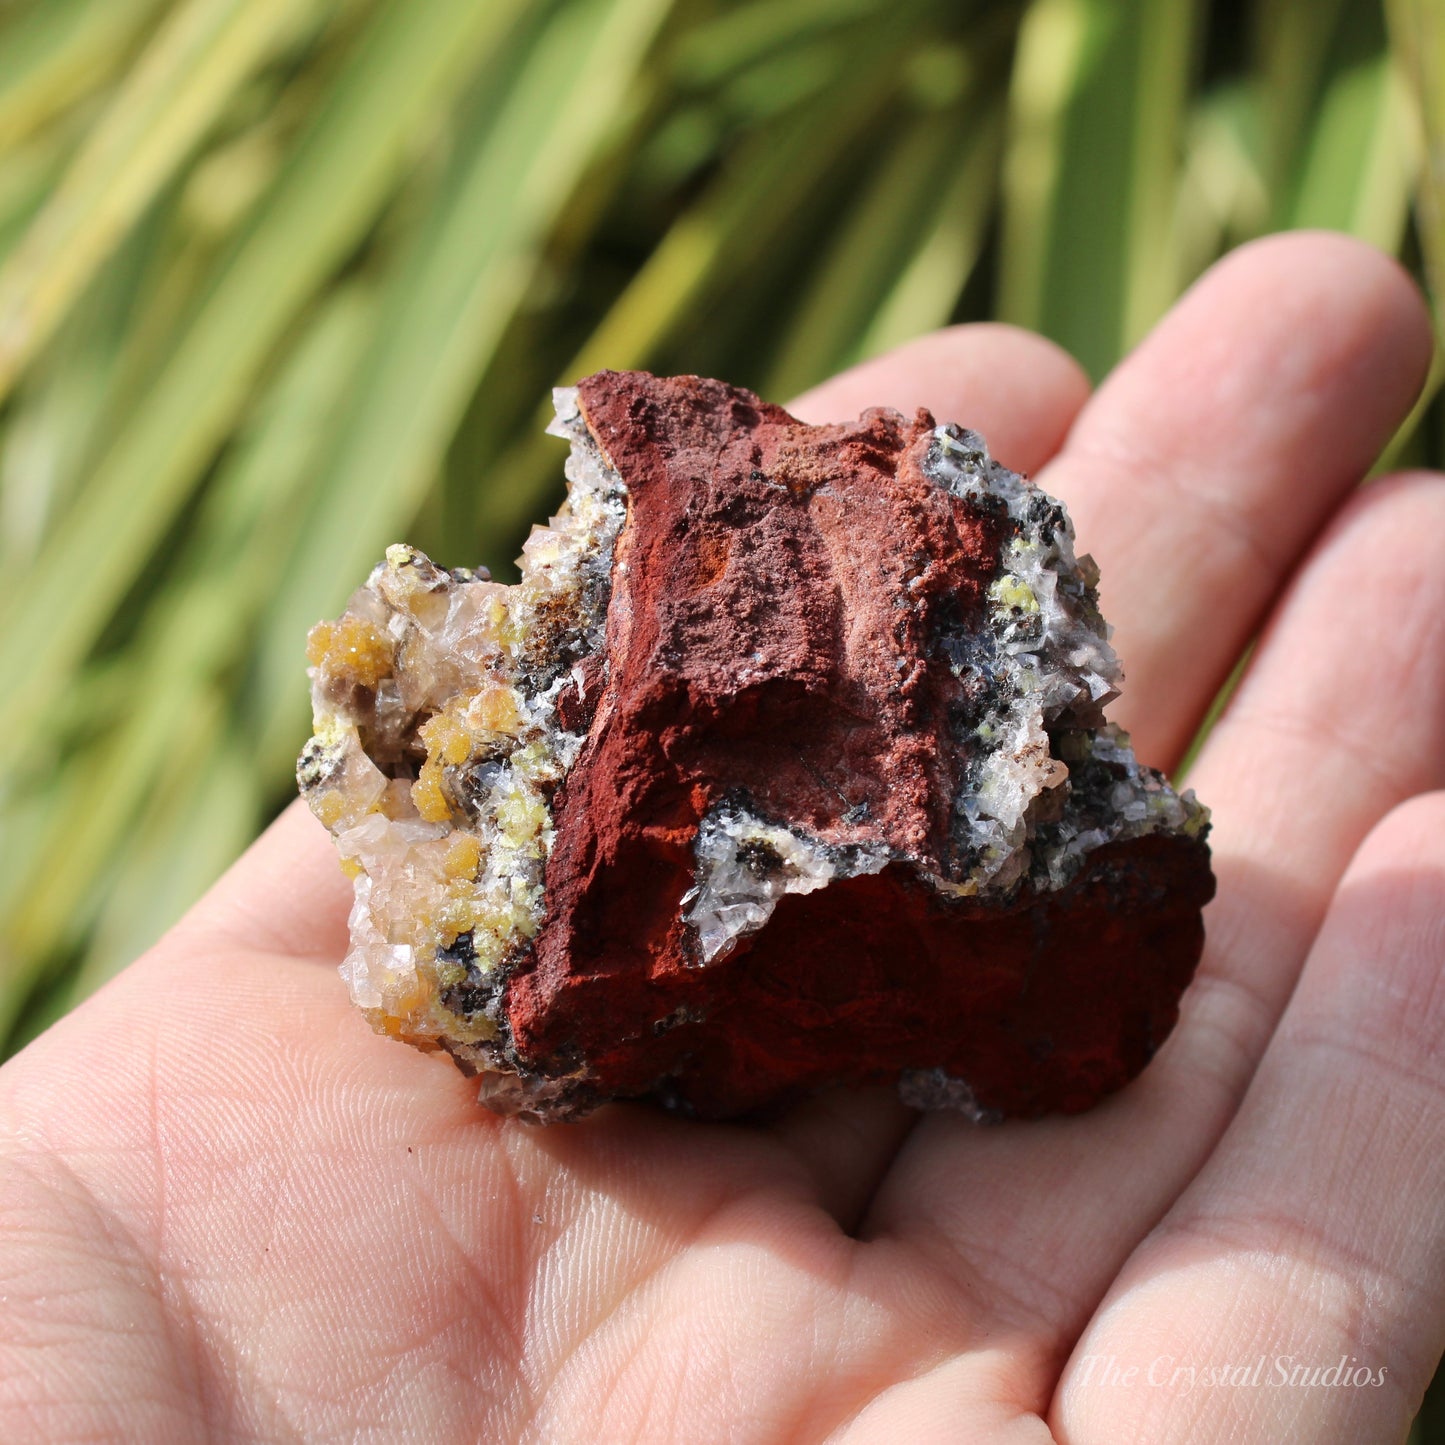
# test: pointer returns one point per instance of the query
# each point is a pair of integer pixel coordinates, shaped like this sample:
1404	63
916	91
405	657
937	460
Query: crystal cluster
784	764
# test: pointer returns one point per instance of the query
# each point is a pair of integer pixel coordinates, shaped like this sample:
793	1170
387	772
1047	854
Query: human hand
228	1210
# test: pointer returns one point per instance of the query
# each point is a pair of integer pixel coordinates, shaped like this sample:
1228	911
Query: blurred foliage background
282	281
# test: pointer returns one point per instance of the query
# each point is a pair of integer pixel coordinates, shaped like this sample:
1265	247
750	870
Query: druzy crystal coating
437	746
784	764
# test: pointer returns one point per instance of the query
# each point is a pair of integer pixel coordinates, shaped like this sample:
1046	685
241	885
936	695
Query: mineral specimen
784	764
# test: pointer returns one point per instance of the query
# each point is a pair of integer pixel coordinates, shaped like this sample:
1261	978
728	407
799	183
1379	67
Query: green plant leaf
397	81
52	54
1291	43
166	105
1098	106
868	248
1358	169
730	235
926	290
1417	32
196	628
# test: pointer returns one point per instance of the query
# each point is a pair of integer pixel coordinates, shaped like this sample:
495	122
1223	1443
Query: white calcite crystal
745	864
1025	809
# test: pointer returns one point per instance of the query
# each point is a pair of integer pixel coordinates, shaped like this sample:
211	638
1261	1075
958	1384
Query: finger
285	894
1314	750
845	1139
1020	391
1314	1234
288	892
1319	742
1201	470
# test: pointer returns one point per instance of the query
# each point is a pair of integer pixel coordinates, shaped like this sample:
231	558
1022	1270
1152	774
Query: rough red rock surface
785	764
778	592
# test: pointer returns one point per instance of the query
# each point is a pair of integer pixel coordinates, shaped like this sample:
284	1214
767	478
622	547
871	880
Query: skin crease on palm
228	1211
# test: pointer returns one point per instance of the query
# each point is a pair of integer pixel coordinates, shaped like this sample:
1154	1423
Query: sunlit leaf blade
737	38
717	238
867	250
52	54
164	730
1292	42
57	425
394	83
28	171
83	832
1358	168
1222	198
1418	32
927	288
1099	90
168	102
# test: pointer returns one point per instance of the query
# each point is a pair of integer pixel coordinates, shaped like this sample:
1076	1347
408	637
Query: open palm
228	1211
